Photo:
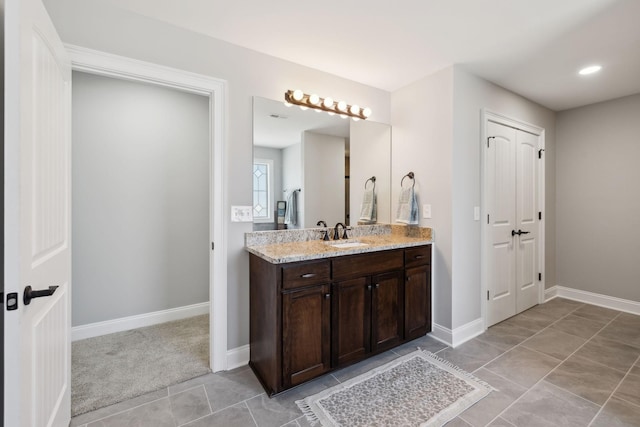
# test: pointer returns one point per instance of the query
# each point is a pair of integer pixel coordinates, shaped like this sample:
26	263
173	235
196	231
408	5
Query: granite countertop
307	245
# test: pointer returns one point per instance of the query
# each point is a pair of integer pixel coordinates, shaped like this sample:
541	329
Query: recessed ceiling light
590	69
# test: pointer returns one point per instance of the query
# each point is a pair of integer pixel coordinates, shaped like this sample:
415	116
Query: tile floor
562	363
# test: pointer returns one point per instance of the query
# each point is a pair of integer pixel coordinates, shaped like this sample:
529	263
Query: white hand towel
291	214
368	209
407	207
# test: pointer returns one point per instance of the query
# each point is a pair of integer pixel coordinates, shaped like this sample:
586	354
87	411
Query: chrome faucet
325	232
336	235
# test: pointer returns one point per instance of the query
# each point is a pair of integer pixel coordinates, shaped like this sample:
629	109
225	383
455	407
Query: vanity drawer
306	273
367	264
420	255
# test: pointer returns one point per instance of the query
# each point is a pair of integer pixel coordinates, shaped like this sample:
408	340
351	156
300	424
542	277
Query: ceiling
532	47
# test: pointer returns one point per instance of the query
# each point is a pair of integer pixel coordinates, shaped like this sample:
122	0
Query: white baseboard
237	357
550	293
138	321
606	301
459	335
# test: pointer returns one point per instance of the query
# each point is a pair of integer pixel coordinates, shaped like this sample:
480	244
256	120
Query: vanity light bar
297	97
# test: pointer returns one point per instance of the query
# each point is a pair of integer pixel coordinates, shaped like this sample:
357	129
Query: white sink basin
347	244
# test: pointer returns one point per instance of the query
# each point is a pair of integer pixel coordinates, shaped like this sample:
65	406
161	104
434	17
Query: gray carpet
116	367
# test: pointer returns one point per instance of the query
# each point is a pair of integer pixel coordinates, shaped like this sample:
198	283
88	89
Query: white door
37	218
511	187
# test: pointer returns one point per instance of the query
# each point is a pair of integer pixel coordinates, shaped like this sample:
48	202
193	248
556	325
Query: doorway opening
96	65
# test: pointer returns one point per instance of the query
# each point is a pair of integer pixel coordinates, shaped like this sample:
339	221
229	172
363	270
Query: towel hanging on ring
369	209
408	202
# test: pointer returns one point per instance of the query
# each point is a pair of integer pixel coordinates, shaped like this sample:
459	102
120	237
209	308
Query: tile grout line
250	413
125	410
614	390
551	371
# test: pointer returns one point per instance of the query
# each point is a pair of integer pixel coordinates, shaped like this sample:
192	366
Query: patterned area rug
418	389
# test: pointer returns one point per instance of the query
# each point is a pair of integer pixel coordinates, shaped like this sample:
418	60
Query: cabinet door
417	302
305	334
351	325
387	310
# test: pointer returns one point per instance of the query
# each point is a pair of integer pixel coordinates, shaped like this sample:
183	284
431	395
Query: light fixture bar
297	97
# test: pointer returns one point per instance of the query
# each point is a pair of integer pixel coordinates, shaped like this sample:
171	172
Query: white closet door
512	243
501	193
527	216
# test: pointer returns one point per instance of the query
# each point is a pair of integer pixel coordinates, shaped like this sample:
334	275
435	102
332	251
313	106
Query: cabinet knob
418	257
308	275
377	285
368	287
327	296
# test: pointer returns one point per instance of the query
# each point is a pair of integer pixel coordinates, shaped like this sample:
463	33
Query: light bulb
298	95
366	112
342	106
355	119
302	107
354	109
314	99
344	116
328	102
287	104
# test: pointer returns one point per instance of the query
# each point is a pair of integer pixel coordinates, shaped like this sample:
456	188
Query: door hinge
487	295
540	153
488	138
487	218
540	215
540	276
212	246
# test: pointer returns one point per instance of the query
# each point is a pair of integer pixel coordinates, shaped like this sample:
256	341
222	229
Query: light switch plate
476	213
241	213
426	211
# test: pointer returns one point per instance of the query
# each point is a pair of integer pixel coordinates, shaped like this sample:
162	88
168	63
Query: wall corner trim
137	321
459	335
550	293
237	357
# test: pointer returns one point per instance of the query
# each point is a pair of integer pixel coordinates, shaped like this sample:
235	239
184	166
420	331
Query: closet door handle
514	232
523	232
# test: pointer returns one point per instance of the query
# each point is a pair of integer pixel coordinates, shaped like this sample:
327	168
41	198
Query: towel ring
373	180
411	176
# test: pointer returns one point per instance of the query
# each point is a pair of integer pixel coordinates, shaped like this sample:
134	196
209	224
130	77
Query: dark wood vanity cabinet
367	307
306	341
417	292
310	317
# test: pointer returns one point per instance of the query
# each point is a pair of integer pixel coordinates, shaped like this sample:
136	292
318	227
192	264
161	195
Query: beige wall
471	95
93	25
421	120
598	198
436	134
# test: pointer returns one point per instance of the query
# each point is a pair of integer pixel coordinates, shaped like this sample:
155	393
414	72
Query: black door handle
519	232
30	294
523	232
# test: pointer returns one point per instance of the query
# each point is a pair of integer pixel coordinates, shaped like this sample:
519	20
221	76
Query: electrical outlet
241	213
426	211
